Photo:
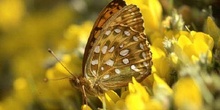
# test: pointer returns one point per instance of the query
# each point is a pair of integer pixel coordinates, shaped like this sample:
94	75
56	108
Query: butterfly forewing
120	51
104	15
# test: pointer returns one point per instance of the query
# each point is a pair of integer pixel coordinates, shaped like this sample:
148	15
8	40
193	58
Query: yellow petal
202	37
184	41
187	94
108	102
85	107
160	62
109	99
131	88
154	105
121	105
138	96
157	52
190	50
161	86
140	89
157	41
151	11
134	102
113	95
174	58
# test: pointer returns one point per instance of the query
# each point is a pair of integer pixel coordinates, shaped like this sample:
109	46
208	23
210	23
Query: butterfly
116	51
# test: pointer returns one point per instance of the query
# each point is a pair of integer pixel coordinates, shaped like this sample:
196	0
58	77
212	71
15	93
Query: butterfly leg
84	95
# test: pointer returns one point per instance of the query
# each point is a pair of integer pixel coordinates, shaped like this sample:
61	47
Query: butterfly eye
75	82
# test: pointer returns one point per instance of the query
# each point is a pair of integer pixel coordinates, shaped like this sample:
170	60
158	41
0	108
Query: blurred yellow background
27	29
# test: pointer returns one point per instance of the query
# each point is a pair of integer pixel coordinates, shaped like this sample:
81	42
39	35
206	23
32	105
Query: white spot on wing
109	62
141	46
97	49
117	30
133	67
127	33
104	49
117	71
125	61
124	52
135	38
144	55
111	49
102	68
107	32
145	64
121	46
106	76
94	62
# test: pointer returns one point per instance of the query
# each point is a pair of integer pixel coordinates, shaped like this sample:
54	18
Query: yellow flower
139	99
161	62
151	11
161	65
109	100
193	46
11	12
187	95
160	86
162	92
20	84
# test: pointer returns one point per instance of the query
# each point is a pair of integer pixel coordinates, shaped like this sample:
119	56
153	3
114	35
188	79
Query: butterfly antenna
47	79
51	52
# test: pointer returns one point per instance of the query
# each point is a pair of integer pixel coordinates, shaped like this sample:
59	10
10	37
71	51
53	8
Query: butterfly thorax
90	87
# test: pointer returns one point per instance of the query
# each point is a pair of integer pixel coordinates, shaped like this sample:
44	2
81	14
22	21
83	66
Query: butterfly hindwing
120	50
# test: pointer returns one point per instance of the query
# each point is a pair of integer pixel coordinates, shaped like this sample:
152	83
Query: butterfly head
86	86
75	82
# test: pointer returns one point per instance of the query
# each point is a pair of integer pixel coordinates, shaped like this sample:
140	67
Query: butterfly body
116	51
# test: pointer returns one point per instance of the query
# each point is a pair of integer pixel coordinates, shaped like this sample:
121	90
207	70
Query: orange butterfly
116	51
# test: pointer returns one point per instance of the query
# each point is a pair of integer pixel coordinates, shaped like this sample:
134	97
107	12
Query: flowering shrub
185	71
182	71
